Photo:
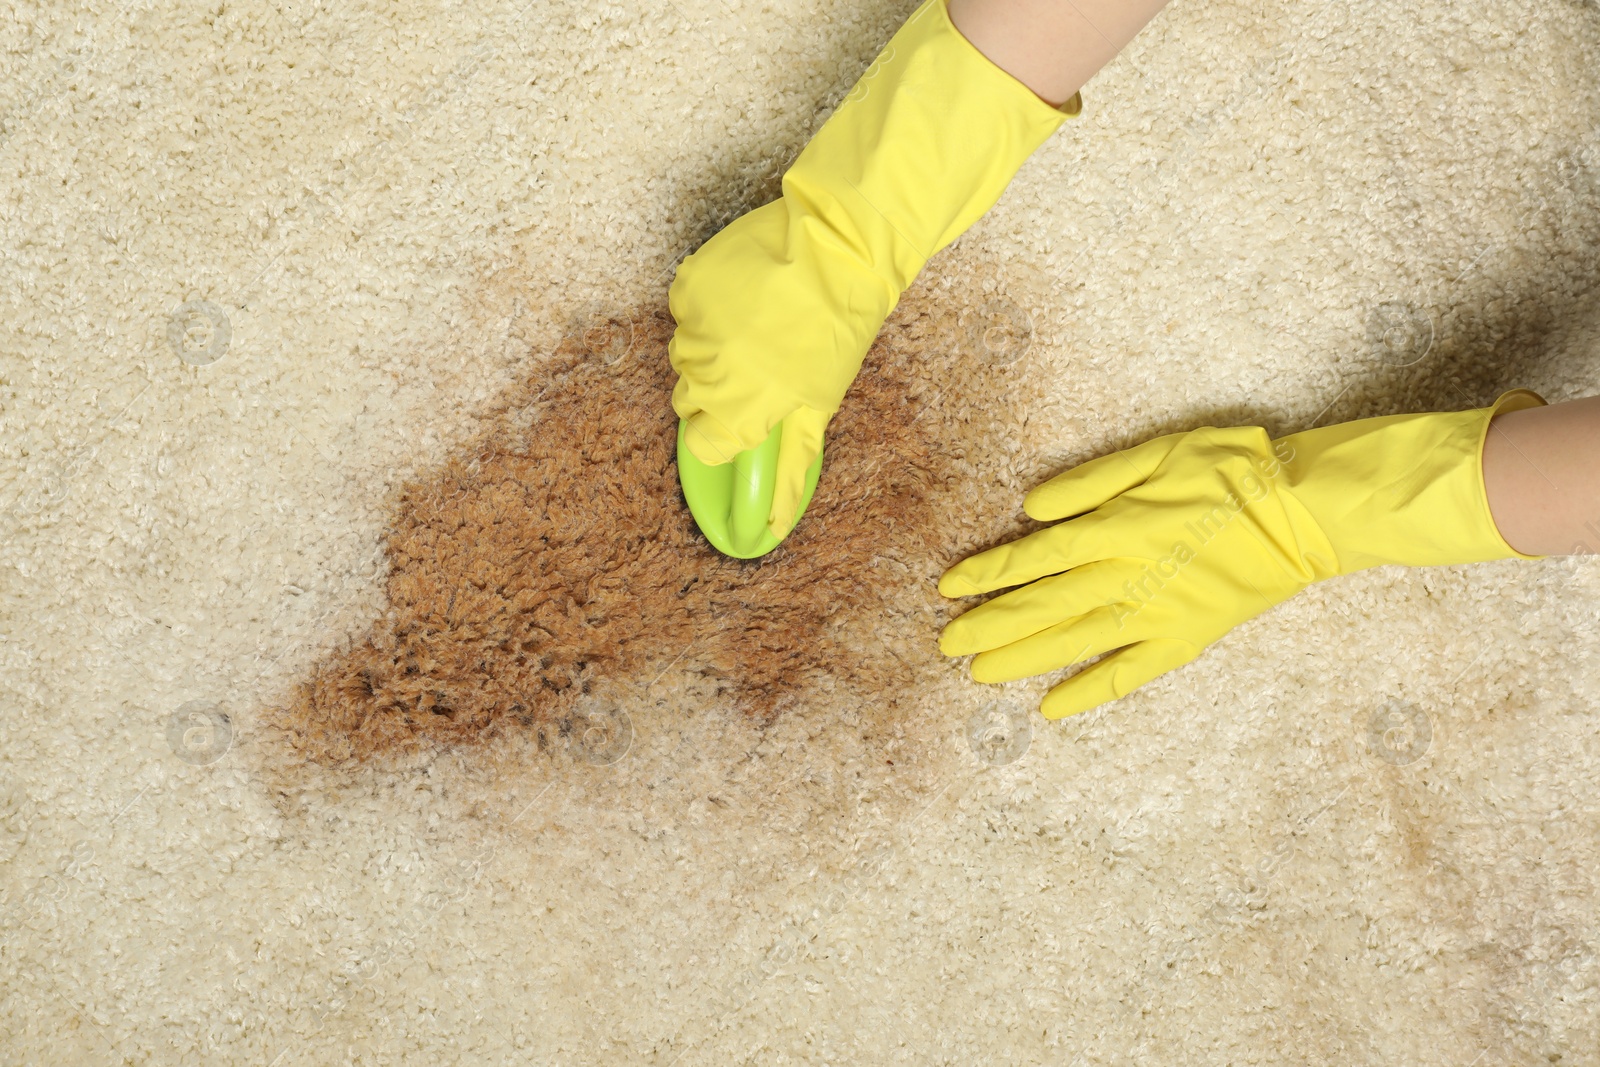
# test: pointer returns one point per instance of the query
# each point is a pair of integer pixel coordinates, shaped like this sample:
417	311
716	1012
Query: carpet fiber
368	695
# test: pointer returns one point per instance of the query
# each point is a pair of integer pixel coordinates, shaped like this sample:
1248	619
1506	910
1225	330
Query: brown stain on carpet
553	555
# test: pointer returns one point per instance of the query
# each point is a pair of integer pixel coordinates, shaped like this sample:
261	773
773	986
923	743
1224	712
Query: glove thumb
1087	486
803	432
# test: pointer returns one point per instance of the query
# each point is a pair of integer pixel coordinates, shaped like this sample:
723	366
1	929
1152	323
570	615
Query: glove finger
1116	676
713	442
1034	608
1087	486
1062	547
1052	648
803	431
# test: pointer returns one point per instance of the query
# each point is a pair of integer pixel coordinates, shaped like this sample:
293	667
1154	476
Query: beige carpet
367	698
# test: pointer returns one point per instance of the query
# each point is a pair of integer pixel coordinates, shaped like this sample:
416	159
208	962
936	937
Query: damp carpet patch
555	551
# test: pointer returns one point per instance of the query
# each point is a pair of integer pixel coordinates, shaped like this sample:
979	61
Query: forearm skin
1541	472
1052	46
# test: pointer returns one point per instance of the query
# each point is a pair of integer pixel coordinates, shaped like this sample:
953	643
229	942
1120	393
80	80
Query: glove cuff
924	143
1404	489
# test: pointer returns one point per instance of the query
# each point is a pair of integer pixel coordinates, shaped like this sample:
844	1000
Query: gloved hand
1182	538
776	312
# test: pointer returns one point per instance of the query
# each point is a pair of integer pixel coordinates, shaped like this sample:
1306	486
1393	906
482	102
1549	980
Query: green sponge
730	501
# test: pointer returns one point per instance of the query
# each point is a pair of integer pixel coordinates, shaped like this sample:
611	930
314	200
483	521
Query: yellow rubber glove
776	312
1186	536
